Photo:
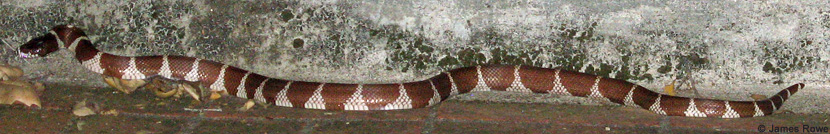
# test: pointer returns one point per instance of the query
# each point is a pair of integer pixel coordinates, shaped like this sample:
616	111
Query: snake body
407	95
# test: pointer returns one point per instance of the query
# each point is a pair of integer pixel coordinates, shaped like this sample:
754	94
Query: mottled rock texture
726	49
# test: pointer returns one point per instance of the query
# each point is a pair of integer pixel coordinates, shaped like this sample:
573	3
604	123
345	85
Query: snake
241	83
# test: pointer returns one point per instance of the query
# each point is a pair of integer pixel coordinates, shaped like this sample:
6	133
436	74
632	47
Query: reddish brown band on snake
418	94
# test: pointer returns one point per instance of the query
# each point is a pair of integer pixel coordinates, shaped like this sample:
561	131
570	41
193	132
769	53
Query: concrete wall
728	49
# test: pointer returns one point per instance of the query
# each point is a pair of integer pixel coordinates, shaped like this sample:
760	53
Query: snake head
39	47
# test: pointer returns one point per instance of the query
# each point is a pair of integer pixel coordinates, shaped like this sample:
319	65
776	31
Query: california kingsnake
417	94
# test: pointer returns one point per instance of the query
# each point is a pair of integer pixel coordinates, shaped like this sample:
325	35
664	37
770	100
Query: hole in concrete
286	15
298	43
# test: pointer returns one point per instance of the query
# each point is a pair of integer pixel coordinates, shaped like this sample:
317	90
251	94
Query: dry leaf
248	105
124	85
10	72
161	88
215	95
144	132
20	92
110	112
190	90
80	125
164	94
166	88
81	109
113	82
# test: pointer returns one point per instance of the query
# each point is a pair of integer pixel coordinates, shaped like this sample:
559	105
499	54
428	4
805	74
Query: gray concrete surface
726	49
